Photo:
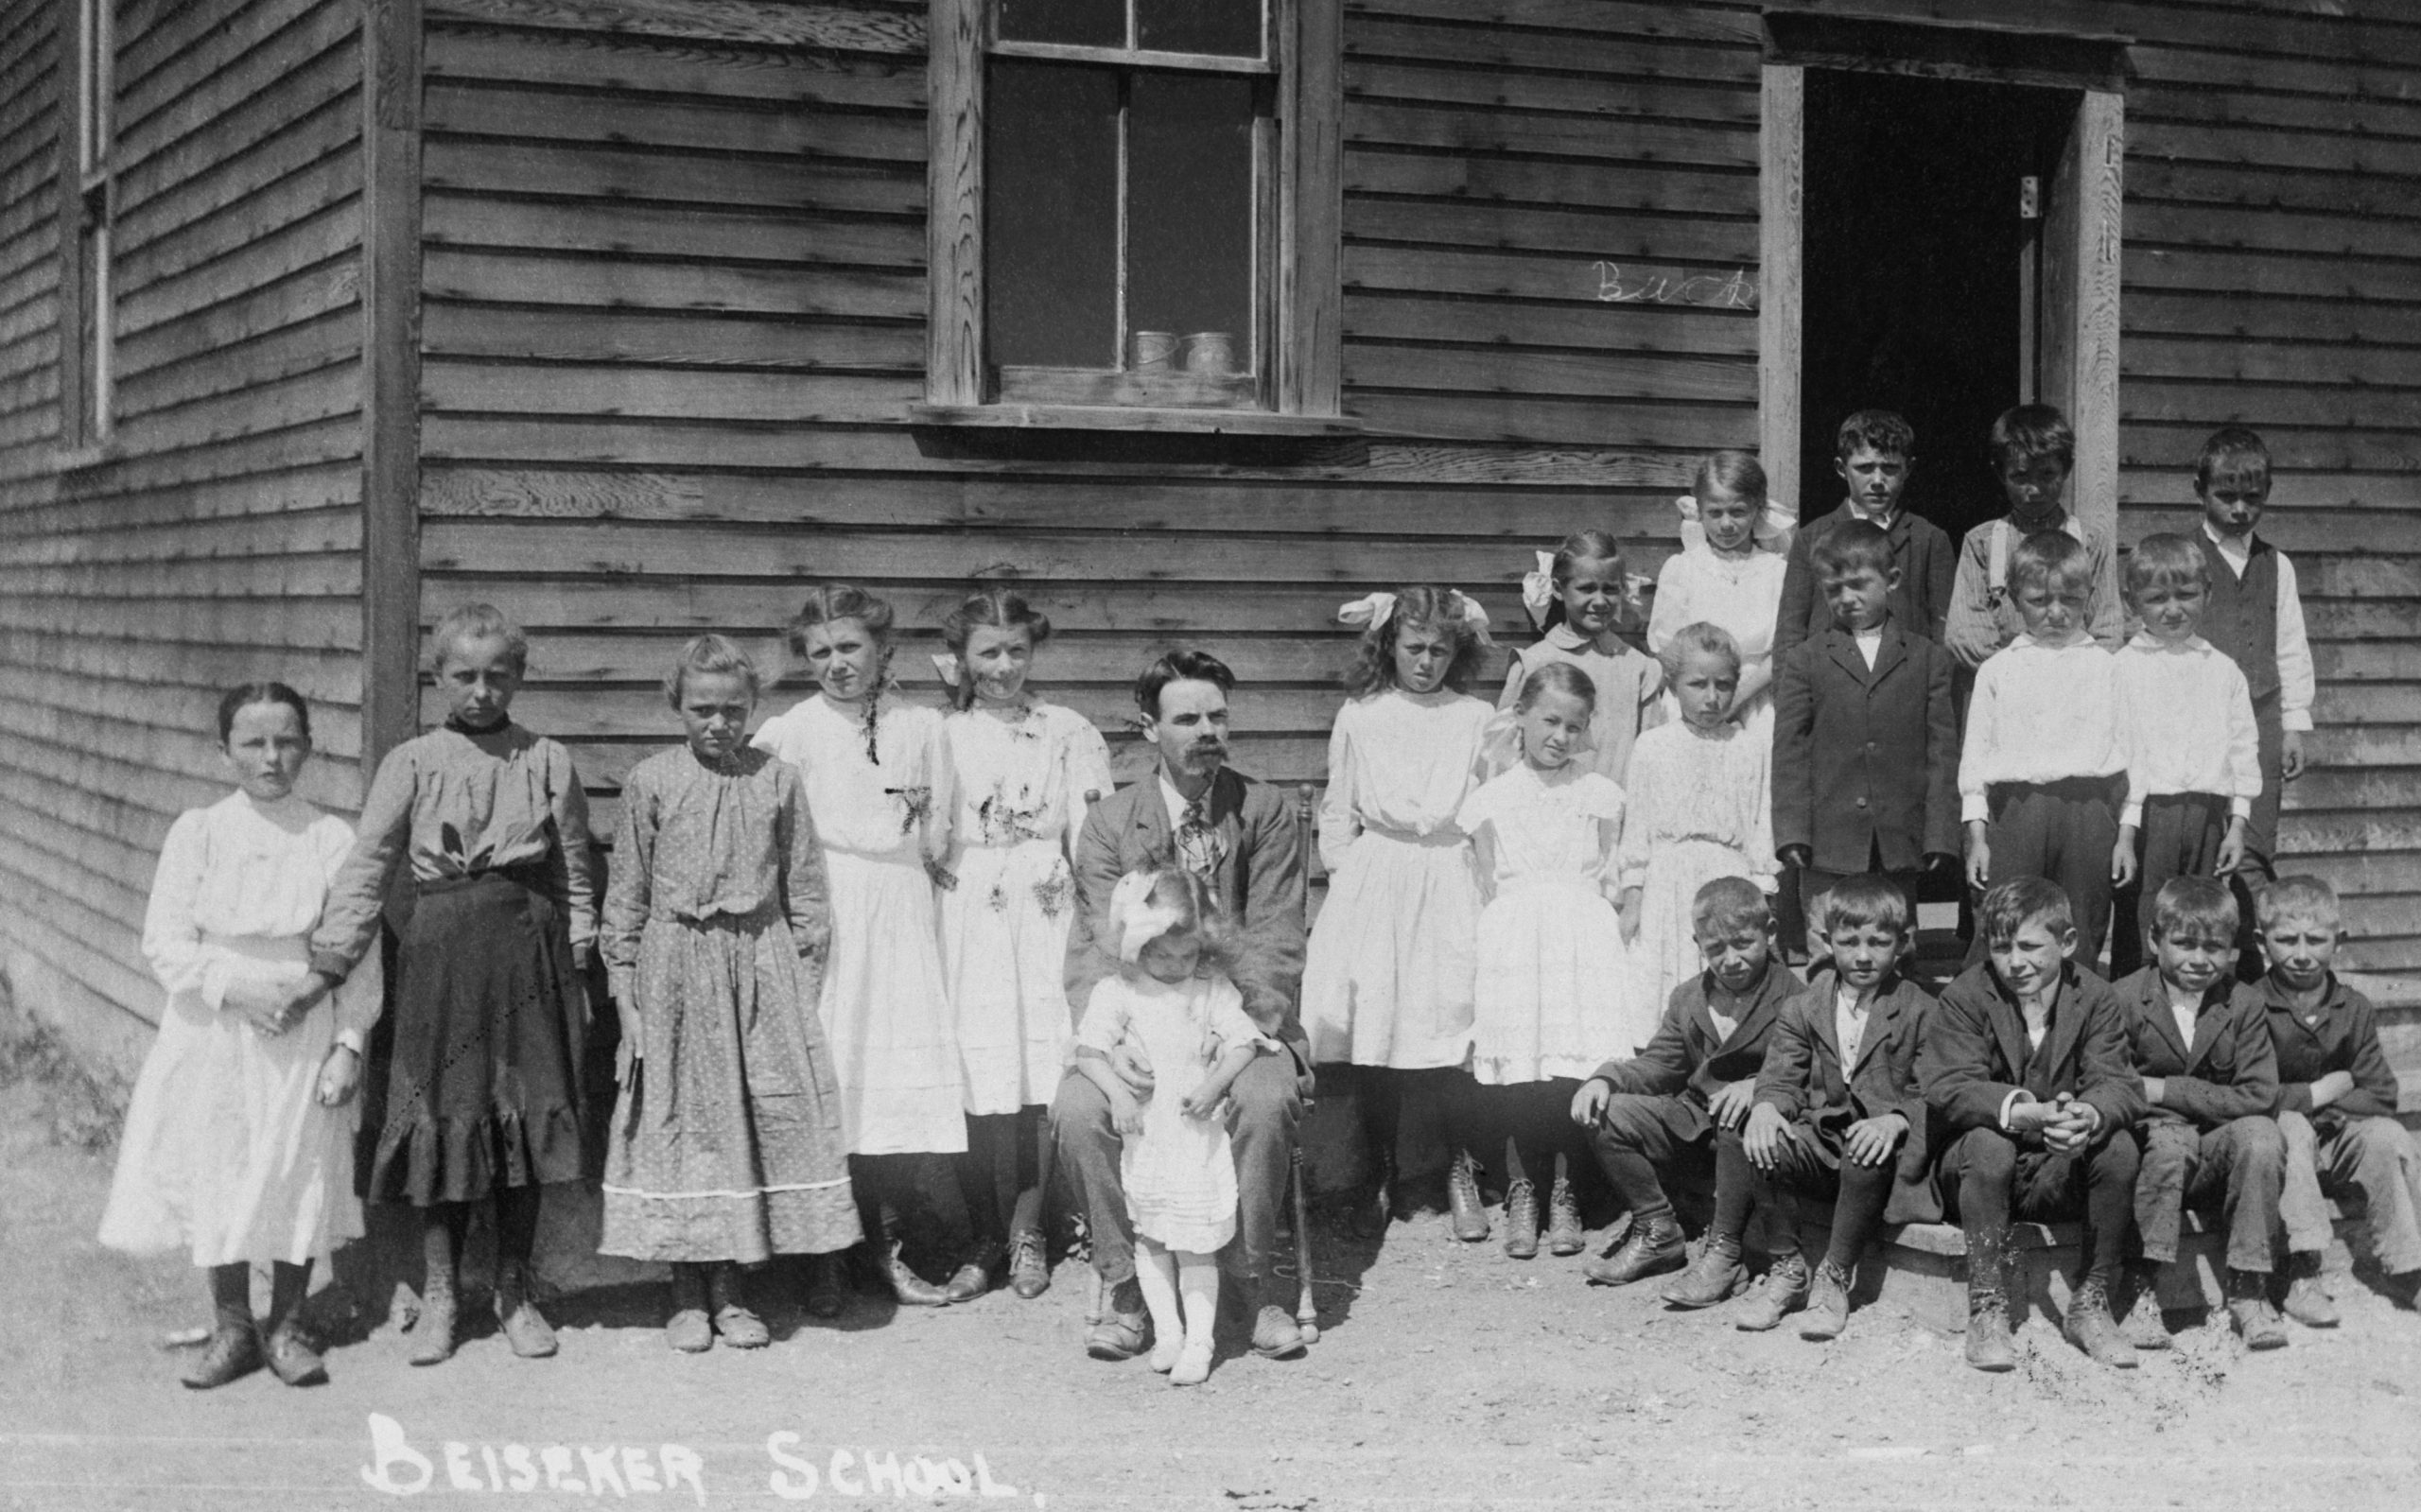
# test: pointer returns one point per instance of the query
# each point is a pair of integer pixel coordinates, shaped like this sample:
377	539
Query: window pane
1092	23
1228	26
1050	214
1189	212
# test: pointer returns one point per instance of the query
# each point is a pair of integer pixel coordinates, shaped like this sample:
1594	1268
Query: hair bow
947	665
1138	920
1538	588
1469	610
1371	609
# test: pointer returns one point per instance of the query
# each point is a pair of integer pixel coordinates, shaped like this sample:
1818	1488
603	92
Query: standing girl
1553	994
1388	981
484	1096
1580	596
1701	806
878	783
1171	1000
1026	772
239	1142
726	1148
1728	579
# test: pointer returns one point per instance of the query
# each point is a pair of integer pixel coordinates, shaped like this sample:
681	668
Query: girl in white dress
1026	772
1170	1001
239	1142
1553	994
1726	578
1581	596
1387	978
1701	806
878	784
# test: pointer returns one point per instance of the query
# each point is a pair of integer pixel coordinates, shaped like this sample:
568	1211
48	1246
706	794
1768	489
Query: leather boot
735	1322
2144	1327
2256	1321
234	1351
1653	1246
432	1331
688	1329
2090	1326
1374	1209
1029	1264
1784	1293
1462	1200
525	1328
2308	1300
907	1288
1521	1219
1828	1303
1126	1327
1566	1235
1989	1345
1711	1278
828	1285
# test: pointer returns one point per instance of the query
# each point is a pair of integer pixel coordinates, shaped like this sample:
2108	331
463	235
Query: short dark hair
1877	431
1180	667
2201	903
2232	449
2034	431
1853	545
707	654
1730	903
2021	902
2306	899
2165	560
1871	898
244	696
2048	556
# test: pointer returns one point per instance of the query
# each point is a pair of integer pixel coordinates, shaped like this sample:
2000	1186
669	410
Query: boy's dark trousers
2063	832
2181	836
2243	1161
1641	1138
1811	1164
1990	1179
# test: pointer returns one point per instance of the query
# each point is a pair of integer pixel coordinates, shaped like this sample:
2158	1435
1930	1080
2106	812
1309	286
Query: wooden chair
1298	1185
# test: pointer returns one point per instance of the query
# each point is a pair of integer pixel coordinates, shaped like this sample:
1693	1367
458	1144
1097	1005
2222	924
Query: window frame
1298	390
87	216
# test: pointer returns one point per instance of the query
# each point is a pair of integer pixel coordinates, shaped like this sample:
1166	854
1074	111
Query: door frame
2082	241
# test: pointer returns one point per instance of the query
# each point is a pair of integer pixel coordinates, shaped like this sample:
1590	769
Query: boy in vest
2255	615
2033	452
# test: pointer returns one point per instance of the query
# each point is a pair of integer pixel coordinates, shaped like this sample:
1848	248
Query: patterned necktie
1197	844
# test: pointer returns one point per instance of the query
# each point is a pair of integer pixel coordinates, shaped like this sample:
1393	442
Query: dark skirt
483	1092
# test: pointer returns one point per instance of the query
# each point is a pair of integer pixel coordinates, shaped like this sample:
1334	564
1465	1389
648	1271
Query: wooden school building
1195	316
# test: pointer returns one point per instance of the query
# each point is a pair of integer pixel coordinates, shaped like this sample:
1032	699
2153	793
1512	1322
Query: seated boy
2193	767
2033	451
2025	1068
2040	773
1866	736
2210	1079
1839	1117
1660	1109
2337	1101
1872	453
2255	617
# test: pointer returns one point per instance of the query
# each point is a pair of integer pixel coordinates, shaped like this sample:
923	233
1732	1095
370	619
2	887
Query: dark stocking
1735	1188
516	1225
1001	1177
1378	1093
231	1294
442	1227
1858	1212
286	1285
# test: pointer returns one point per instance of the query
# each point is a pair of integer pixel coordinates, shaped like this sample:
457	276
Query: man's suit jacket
1974	1054
1803	1079
2231	1069
1920	549
1866	760
1260	884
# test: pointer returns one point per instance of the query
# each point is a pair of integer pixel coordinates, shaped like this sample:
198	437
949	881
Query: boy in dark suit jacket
2210	1078
2026	1074
1874	453
1239	837
1840	1116
1866	735
1661	1108
2337	1100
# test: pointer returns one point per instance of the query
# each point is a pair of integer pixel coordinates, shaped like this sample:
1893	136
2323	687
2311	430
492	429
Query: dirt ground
1446	1376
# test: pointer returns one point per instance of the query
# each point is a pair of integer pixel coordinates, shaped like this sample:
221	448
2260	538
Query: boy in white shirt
2193	761
2041	769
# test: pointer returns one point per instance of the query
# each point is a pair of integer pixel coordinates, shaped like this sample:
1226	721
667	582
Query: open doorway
1925	288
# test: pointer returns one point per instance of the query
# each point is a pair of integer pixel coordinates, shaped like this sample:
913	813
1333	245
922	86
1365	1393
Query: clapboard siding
217	536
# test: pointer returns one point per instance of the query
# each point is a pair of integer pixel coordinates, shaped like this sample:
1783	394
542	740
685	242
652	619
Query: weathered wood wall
216	538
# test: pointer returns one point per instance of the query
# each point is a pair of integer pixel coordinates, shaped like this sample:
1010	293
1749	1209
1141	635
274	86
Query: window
86	197
1135	214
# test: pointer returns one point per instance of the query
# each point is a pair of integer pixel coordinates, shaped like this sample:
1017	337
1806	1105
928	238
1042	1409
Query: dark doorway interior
1912	265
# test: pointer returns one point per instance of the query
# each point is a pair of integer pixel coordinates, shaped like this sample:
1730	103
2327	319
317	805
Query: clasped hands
271	1008
2066	1124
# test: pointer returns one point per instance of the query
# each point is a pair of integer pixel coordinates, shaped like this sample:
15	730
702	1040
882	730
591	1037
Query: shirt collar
1564	637
1176	801
2234	546
2190	646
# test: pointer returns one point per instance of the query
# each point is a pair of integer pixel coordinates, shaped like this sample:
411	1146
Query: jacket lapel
1154	840
2009	1028
2153	1006
1844	649
1759	1014
2209	1023
1881	1016
1892	653
2067	1020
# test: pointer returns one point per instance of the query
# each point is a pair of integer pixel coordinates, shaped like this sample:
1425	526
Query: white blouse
900	799
1028	778
1403	763
241	875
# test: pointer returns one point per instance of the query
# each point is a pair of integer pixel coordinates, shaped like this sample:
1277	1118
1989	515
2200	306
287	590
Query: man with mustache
1194	811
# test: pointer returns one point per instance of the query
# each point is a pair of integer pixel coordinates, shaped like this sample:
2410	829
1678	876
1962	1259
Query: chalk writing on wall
1735	290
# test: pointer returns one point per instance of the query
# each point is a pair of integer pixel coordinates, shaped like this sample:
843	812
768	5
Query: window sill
1103	417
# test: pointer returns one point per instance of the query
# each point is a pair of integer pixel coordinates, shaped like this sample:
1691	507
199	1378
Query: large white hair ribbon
1369	610
1138	920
